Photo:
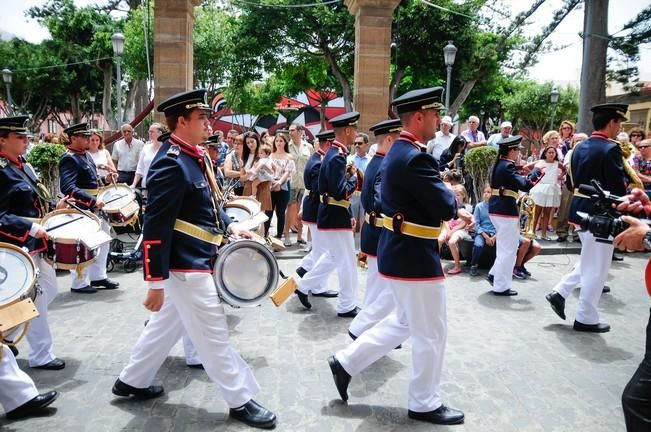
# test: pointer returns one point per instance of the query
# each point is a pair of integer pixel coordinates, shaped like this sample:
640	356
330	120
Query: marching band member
182	231
599	158
23	202
79	180
414	203
18	394
378	299
309	211
504	214
334	220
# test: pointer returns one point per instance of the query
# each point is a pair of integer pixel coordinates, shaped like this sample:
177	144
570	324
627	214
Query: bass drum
245	273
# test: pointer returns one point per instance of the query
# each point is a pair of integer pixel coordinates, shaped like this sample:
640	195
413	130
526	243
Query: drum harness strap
197	232
41	192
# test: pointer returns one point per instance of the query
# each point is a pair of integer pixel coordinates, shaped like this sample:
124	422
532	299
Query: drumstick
82	211
115	199
63	224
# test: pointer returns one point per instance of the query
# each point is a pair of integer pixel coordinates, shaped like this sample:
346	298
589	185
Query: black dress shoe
557	303
84	290
442	415
105	283
195	366
122	389
14	350
490	278
561	239
303	299
254	415
300	271
350	314
352	336
617	257
605	289
341	377
591	328
56	364
508	292
328	294
32	407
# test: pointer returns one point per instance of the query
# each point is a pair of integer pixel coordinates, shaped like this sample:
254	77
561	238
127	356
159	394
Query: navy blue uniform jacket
595	158
77	171
412	186
178	189
505	175
333	183
18	200
372	204
311	181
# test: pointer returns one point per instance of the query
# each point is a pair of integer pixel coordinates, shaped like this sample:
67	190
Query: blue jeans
477	248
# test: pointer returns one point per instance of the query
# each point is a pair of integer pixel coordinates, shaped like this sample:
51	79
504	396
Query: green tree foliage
45	159
478	162
637	32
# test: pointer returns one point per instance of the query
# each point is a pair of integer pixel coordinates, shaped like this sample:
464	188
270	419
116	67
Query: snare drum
242	208
75	238
17	283
245	273
120	204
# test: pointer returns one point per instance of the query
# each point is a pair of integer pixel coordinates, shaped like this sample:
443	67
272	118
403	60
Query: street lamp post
553	99
118	48
6	77
92	110
449	53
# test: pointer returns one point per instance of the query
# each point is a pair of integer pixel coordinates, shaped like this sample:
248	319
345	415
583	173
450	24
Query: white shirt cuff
35	227
155	285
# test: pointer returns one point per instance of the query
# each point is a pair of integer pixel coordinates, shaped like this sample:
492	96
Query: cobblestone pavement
510	363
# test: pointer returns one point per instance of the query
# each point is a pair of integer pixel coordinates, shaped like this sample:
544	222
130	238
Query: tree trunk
461	97
593	69
395	82
106	96
74	108
346	91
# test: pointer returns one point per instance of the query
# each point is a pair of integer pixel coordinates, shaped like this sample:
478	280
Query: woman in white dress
100	155
546	194
147	156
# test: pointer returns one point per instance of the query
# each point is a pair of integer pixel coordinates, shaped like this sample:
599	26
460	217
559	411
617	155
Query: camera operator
599	158
636	399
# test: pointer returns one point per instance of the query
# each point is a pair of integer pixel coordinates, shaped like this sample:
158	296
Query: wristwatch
646	241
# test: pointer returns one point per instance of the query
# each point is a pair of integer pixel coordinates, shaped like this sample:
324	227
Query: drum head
116	197
78	226
245	273
242	209
17	273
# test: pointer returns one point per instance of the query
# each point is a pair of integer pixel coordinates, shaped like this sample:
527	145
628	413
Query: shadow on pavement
588	346
512	303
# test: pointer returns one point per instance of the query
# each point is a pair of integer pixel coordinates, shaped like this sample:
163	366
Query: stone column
173	50
372	58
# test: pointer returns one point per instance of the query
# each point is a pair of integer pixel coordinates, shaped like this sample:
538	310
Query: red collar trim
194	151
341	147
380	154
76	151
17	162
321	152
598	134
412	139
508	160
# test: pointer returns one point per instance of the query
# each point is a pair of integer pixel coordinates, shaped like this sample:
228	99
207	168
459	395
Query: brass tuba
527	208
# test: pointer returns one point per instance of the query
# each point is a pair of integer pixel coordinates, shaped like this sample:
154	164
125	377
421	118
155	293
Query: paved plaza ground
511	364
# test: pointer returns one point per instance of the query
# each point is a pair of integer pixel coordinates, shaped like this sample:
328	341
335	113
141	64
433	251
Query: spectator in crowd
100	155
553	139
300	150
126	153
222	149
505	131
636	135
359	159
147	155
442	139
642	163
527	250
566	131
452	157
455	230
234	167
452	177
473	135
485	231
563	228
546	194
285	170
230	138
263	169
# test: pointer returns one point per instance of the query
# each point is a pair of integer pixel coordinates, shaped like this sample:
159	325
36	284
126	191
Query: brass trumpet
527	208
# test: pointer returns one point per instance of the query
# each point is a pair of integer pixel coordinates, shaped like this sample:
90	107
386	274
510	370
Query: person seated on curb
455	231
527	249
485	234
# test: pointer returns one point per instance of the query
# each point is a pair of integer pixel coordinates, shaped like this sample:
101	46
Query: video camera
607	221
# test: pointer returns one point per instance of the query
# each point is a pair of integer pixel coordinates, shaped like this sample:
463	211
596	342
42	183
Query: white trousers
38	334
97	270
16	387
339	254
506	251
309	261
420	313
590	272
191	354
378	301
191	302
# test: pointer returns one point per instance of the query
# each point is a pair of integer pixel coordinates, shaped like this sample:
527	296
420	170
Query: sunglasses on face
643	146
359	143
636	135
